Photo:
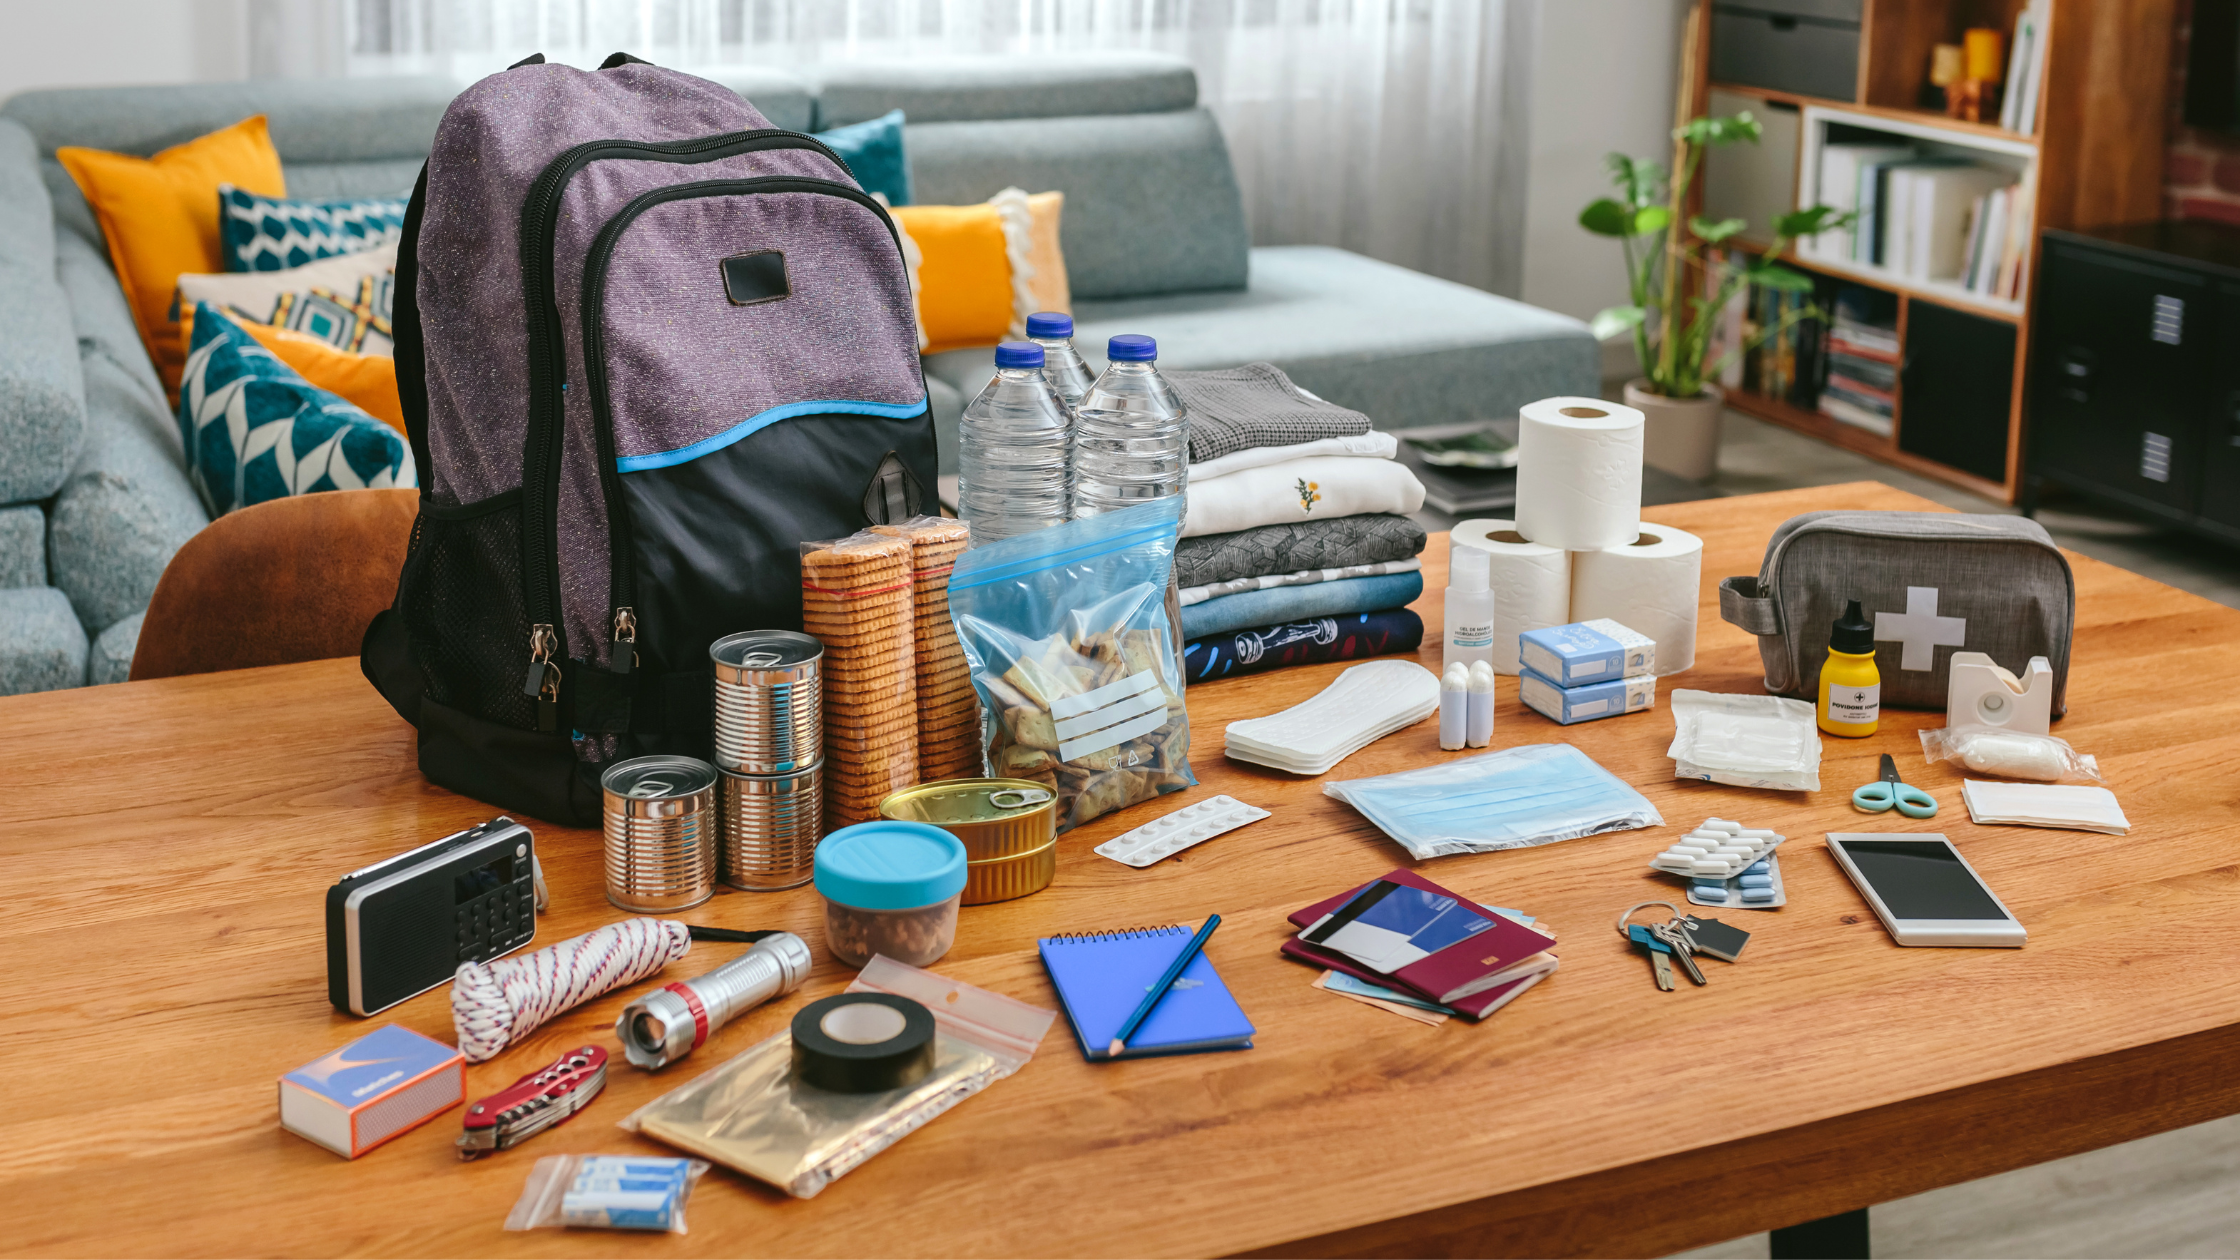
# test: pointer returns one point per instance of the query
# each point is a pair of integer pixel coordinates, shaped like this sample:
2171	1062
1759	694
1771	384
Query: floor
2176	1194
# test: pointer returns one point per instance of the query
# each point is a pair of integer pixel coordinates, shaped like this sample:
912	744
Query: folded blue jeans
1280	604
1309	642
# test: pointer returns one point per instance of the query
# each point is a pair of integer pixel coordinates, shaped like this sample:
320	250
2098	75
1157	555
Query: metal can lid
950	801
764	649
658	778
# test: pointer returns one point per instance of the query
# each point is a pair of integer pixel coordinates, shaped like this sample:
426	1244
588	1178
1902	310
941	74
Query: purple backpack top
647	344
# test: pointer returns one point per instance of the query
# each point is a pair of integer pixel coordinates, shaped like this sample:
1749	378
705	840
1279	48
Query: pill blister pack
1758	887
1162	838
1719	849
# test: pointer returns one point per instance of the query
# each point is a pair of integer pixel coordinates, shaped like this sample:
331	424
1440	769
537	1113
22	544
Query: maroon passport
1445	977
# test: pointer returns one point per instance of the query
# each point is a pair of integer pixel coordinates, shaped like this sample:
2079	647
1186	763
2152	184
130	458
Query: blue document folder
1101	977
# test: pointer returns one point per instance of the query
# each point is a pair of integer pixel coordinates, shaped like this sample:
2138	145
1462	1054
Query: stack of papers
2068	806
1365	704
1405	941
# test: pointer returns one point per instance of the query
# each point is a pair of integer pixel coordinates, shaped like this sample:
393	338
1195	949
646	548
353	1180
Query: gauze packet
1745	741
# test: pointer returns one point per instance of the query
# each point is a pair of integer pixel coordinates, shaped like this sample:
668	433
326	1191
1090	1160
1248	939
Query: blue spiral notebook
1101	977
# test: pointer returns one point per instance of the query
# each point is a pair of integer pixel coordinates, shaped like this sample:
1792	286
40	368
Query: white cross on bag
1921	629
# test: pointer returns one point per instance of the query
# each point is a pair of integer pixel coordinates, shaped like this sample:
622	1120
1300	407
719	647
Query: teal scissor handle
1889	792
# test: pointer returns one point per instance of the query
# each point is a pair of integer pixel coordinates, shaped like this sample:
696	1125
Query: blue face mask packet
1516	798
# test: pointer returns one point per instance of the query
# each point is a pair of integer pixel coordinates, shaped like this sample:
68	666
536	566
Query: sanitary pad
1365	704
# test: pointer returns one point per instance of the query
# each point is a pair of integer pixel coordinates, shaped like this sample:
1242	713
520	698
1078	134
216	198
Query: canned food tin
661	832
769	701
1008	826
770	828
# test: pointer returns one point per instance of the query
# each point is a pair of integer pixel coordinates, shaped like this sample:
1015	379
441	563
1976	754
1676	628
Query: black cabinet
1957	387
2134	390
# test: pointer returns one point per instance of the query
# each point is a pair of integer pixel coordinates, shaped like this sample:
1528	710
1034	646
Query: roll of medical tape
862	1043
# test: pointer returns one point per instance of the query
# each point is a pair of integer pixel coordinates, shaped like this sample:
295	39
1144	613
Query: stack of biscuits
948	707
856	598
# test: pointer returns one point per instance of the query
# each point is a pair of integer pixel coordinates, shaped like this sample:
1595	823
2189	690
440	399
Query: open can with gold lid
1009	828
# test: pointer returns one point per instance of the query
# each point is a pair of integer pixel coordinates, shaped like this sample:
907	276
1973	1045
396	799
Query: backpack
646	345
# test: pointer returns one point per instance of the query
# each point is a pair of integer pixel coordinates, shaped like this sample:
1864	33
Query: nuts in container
856	600
1067	633
948	707
890	888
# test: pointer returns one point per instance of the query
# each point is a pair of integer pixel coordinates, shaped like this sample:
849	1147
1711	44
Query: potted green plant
1671	327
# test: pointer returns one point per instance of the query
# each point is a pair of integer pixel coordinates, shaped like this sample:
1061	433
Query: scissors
1890	792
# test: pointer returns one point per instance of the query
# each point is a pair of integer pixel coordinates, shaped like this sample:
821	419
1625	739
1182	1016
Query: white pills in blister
1193	824
1718	849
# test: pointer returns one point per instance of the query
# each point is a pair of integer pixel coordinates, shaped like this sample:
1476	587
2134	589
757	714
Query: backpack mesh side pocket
461	600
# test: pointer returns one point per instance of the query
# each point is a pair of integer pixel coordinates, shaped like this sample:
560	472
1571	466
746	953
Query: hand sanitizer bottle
1469	613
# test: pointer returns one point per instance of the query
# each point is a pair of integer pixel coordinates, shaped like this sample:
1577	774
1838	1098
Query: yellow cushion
962	260
964	280
367	380
160	215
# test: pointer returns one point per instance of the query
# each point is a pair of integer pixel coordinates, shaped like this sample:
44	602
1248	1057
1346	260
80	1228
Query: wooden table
169	844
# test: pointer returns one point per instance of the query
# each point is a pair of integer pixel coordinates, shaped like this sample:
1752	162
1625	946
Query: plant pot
1680	435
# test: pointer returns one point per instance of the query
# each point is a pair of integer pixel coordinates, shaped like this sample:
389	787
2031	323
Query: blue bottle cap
890	865
1131	348
1049	324
1018	354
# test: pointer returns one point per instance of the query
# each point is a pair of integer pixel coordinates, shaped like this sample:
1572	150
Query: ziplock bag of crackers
1067	635
754	1115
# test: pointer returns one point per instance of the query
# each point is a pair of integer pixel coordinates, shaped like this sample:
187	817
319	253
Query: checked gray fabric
1334	543
1236	409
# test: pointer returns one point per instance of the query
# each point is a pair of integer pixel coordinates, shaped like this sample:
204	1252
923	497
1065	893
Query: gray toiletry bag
1933	583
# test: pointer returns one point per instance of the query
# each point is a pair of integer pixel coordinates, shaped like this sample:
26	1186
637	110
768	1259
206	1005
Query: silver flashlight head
663	1026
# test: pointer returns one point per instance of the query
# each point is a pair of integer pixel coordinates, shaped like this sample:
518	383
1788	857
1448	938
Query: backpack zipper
621	574
540	463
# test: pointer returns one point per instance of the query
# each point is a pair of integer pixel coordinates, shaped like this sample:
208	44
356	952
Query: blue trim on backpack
762	420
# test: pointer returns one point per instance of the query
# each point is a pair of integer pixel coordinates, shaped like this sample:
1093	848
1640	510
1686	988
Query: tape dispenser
1982	693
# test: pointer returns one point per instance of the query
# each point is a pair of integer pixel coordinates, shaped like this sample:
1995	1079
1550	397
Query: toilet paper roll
1579	473
1651	585
1531	584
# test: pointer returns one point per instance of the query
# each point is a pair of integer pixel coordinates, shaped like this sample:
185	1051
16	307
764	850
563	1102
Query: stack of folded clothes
1296	546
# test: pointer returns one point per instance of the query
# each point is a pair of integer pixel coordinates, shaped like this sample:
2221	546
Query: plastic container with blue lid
890	888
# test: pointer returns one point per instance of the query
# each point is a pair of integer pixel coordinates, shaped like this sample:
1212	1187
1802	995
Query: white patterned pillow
344	301
275	233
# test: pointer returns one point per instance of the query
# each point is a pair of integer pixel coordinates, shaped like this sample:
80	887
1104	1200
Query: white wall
87	43
1603	81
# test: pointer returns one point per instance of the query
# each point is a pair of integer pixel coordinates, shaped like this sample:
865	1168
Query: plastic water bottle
1015	447
1061	363
1131	434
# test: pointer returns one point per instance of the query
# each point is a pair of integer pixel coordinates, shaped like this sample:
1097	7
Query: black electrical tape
843	1067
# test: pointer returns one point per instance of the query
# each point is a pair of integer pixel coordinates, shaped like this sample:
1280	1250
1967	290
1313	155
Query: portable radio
399	928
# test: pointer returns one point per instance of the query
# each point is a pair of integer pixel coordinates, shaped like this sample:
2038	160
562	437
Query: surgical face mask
1513	799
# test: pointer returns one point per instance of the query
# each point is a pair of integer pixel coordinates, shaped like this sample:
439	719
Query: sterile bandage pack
1744	741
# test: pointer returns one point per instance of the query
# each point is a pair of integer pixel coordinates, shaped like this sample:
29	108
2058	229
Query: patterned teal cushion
274	233
255	430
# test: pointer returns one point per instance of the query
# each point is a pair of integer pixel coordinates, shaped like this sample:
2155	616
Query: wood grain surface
169	845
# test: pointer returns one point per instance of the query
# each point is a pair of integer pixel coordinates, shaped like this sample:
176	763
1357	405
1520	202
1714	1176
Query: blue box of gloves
1583	652
1585	703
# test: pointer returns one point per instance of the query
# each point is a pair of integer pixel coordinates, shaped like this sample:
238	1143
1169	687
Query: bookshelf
2093	158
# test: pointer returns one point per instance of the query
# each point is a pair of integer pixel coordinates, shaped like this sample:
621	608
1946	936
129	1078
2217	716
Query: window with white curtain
1395	128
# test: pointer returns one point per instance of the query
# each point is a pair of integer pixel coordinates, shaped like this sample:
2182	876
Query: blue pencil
1159	990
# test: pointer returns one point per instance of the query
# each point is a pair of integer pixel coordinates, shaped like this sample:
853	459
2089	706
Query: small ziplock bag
644	1192
2010	754
752	1115
1071	649
1516	798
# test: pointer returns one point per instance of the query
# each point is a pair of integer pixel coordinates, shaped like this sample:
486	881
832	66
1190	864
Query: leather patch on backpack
758	277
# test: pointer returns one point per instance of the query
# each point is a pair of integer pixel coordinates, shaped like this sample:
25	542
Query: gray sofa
94	497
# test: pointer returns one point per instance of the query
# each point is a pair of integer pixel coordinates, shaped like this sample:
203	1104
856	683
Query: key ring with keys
1639	906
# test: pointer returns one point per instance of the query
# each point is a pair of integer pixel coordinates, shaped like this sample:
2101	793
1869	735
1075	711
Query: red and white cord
495	1003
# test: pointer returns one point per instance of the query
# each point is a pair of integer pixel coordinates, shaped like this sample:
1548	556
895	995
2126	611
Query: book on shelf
1937	246
1837	409
1842	187
2026	69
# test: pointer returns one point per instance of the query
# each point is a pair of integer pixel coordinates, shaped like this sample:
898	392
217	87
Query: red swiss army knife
534	1103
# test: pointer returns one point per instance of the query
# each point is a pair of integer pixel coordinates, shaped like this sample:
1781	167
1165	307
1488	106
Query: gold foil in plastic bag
751	1115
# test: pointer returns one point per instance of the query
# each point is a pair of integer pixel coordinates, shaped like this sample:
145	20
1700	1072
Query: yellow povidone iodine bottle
1850	685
